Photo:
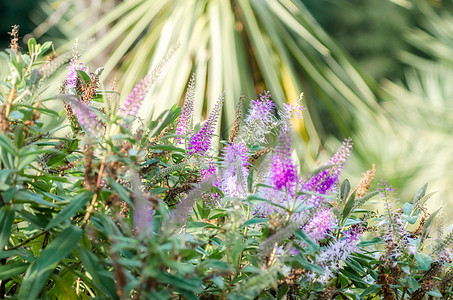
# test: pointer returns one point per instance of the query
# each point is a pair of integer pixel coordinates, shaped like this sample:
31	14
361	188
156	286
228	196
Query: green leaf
101	278
39	221
158	190
46	46
6	143
24	196
362	200
312	245
344	190
413	284
349	205
411	220
217	265
62	289
424	260
12	269
371	242
164	119
42	268
255	221
9	194
8	253
420	194
16	115
26	159
435	293
6	221
307	265
428	223
250	180
167	148
407	208
118	188
56	158
181	283
370	290
70	210
31	46
86	80
355	265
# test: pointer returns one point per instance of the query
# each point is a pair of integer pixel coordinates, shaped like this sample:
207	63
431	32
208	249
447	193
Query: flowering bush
94	204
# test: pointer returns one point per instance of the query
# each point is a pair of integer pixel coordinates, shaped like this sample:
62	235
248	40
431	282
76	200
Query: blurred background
379	71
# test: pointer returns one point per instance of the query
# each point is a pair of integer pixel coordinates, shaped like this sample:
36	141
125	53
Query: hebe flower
74	66
201	141
282	175
259	120
143	213
318	227
235	170
86	118
185	119
342	155
291	111
326	180
211	170
134	101
283	171
330	259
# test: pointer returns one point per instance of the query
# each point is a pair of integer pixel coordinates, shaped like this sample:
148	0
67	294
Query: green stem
28	240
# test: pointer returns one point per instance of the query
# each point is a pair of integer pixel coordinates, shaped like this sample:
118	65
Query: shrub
102	206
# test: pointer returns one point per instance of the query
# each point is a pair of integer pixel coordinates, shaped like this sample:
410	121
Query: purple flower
184	127
282	175
291	110
265	209
74	66
318	227
259	120
235	170
283	171
342	155
384	187
326	180
201	141
86	118
142	211
330	258
134	101
206	173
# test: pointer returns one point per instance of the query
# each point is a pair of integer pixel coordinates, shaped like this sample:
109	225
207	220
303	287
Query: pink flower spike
86	118
184	125
284	173
201	141
134	101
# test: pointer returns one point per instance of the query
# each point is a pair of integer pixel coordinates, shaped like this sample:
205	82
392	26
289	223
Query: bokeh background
378	71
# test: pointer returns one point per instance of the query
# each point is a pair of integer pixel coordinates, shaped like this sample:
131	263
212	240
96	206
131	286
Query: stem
27	240
244	238
90	209
288	217
9	102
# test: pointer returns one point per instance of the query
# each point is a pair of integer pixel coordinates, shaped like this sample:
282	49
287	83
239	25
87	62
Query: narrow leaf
69	211
6	221
41	269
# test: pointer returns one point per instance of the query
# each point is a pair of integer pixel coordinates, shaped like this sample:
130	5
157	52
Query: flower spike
201	141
